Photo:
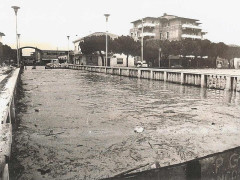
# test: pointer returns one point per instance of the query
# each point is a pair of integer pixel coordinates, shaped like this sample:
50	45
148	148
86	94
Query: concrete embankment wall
206	79
7	117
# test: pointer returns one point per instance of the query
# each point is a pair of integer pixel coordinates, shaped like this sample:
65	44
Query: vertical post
142	44
165	76
151	74
106	15
182	78
68	50
228	83
18	41
159	57
139	73
16	10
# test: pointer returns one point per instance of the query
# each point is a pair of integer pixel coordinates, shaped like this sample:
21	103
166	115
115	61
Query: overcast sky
46	23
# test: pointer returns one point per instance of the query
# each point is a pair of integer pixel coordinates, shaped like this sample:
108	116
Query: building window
119	60
160	36
167	35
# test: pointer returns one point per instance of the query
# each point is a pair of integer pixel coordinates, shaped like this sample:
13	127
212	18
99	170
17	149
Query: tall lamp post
106	15
16	10
68	49
142	43
159	57
19	54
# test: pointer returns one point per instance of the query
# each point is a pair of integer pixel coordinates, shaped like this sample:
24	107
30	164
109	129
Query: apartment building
150	28
167	27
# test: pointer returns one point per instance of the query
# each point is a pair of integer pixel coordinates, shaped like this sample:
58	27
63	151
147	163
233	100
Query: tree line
7	54
197	49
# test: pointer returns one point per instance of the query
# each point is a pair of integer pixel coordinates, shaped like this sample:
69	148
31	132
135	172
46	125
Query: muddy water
80	125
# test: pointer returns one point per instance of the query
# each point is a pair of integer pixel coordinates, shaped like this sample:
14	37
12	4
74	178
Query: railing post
165	76
139	73
151	74
203	81
228	83
182	78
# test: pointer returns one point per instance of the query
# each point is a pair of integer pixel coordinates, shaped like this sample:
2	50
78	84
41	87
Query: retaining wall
208	80
7	117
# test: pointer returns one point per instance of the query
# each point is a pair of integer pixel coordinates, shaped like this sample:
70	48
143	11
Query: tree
126	45
151	51
92	44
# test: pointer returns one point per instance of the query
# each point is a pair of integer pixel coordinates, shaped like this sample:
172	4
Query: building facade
167	27
93	59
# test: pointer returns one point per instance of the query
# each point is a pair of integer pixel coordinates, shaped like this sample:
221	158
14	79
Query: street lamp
159	57
68	49
19	54
16	10
142	43
106	15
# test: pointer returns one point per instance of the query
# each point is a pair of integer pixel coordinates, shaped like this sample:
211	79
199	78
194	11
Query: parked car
142	64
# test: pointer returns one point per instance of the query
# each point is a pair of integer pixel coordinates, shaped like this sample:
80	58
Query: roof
144	19
169	17
113	36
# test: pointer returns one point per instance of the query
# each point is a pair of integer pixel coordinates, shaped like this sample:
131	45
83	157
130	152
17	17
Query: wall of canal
202	79
7	117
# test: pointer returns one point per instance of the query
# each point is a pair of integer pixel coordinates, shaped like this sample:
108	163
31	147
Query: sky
47	23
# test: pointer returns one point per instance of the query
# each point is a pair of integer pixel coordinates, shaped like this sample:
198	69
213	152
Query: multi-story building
167	27
148	25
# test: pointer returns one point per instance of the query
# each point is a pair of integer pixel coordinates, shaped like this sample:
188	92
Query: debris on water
194	108
213	123
35	125
44	171
155	165
138	129
169	111
36	110
79	145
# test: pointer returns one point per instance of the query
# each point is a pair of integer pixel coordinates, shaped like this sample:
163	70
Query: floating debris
138	129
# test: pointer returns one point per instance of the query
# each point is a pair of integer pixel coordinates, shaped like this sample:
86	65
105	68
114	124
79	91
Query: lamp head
106	15
15	9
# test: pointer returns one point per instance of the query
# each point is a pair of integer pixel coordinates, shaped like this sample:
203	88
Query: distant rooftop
113	36
167	17
144	19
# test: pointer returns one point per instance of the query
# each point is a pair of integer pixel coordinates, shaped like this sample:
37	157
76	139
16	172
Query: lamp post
159	57
68	49
142	43
16	10
106	15
19	54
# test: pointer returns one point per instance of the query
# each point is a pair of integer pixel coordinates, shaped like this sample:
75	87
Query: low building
236	63
1	35
93	59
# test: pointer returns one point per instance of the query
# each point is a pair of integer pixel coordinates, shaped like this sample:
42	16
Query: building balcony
191	36
148	34
191	26
146	25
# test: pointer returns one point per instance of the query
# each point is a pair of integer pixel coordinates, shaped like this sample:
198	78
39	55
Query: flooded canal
80	125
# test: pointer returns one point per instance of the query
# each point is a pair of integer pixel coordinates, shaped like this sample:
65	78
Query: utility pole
142	43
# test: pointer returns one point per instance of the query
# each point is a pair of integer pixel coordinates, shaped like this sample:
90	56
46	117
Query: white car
142	64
